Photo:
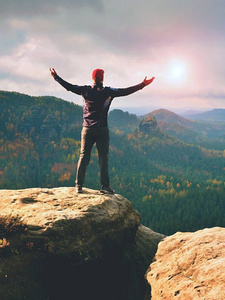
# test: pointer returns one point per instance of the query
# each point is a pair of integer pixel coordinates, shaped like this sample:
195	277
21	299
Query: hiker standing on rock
97	100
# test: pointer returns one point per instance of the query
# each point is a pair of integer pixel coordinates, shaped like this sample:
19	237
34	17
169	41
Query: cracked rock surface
189	266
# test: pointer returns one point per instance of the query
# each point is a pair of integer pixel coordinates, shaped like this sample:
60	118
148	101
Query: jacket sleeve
77	89
126	91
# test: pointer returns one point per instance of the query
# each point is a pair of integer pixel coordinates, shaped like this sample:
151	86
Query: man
97	100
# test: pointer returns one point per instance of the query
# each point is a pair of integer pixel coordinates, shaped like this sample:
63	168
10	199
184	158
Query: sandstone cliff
190	266
56	244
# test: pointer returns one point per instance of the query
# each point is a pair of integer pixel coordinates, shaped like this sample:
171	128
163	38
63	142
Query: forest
173	174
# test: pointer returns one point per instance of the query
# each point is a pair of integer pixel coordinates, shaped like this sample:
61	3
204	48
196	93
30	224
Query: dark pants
89	136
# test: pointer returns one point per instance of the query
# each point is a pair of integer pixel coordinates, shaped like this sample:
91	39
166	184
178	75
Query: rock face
56	244
150	126
190	266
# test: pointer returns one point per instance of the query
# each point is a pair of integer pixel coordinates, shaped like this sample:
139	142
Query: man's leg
102	144
87	142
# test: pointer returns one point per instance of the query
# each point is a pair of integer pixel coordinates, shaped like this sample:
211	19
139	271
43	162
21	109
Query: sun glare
177	72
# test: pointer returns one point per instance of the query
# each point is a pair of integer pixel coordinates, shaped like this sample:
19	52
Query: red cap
98	74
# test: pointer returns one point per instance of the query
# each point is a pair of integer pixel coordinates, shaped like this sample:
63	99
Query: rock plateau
56	244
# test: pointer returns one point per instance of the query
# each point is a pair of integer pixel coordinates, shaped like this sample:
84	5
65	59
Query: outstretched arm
132	89
77	89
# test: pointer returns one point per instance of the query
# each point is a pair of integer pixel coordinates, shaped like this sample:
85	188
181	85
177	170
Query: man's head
98	75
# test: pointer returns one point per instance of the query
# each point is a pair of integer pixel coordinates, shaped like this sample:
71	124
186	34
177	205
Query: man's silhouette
97	100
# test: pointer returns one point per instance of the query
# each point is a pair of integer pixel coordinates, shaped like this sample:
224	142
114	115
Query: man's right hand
53	72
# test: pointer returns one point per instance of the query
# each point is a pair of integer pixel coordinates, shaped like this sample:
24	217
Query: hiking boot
106	190
78	189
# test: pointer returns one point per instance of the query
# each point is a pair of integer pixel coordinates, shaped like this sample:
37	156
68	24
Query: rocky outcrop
150	126
189	266
56	244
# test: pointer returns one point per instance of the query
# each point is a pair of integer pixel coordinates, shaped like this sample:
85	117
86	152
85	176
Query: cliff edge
56	244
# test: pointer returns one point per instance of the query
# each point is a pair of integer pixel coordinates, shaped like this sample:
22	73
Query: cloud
129	39
31	8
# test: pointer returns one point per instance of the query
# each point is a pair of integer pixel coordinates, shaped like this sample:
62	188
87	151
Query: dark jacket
97	100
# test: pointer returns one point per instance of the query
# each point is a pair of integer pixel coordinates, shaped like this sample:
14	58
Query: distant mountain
215	115
188	113
169	117
190	131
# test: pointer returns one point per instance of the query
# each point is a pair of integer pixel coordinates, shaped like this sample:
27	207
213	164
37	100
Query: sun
177	71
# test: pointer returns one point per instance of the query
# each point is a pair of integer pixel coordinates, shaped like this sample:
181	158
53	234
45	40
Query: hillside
36	116
164	177
122	121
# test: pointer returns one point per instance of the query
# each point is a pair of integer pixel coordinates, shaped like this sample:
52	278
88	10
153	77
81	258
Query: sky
180	42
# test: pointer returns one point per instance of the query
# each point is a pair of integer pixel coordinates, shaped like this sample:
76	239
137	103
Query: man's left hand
148	81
